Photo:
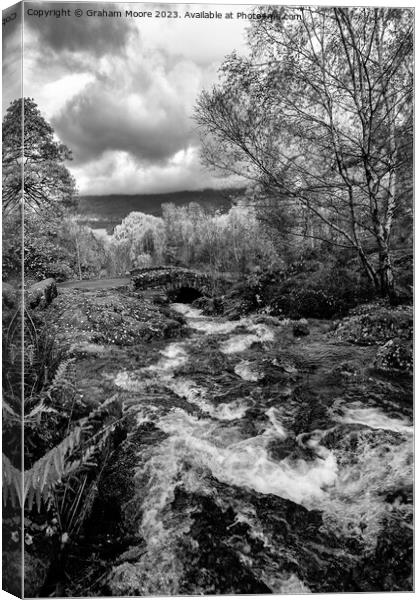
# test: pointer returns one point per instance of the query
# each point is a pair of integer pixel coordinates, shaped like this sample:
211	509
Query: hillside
108	211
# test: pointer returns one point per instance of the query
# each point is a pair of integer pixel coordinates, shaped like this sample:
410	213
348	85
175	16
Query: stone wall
172	278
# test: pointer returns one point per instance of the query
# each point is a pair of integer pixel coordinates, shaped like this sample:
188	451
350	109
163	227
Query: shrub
317	290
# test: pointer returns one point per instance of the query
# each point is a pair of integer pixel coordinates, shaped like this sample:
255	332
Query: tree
142	234
33	166
320	116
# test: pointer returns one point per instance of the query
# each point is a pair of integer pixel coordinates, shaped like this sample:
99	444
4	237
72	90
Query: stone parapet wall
171	278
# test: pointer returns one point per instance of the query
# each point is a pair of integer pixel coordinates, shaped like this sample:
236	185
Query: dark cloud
120	93
141	106
93	123
98	35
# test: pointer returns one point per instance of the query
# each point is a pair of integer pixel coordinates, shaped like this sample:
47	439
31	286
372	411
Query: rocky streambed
261	455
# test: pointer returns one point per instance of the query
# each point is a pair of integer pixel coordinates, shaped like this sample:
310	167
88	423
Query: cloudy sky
120	92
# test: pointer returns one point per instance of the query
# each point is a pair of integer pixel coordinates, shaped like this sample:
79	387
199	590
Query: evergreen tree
31	152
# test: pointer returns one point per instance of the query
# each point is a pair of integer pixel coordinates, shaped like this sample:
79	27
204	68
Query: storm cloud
97	36
141	109
120	93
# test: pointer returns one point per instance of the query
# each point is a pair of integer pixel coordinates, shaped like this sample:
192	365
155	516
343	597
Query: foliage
234	241
319	116
53	247
12	245
75	452
85	249
66	447
190	236
44	258
143	235
47	182
49	193
316	289
307	287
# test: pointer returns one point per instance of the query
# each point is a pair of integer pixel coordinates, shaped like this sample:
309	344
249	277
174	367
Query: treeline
188	236
254	240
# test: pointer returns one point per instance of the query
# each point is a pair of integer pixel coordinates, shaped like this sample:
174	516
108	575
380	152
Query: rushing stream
274	464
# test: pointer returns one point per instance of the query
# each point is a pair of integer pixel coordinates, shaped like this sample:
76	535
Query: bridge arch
183	293
180	284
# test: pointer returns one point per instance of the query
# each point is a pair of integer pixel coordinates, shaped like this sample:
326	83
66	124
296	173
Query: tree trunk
369	270
78	258
386	274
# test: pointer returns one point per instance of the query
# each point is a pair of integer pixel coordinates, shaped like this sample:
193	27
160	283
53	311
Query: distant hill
105	212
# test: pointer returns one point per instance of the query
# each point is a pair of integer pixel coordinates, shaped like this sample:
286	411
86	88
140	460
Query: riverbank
246	454
259	455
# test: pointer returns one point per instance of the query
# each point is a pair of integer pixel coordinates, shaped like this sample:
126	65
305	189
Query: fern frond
12	482
8	412
61	379
78	450
49	470
38	411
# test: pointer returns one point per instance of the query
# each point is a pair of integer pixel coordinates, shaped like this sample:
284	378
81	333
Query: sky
120	92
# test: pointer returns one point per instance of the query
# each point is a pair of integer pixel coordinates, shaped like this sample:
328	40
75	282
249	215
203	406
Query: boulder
395	356
300	328
108	317
375	324
9	295
41	294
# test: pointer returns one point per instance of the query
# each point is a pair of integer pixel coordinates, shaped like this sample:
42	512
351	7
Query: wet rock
214	561
125	580
206	358
160	299
311	416
389	567
278	369
209	306
171	526
249	370
268	320
87	349
41	294
111	536
284	542
348	369
300	328
280	449
351	444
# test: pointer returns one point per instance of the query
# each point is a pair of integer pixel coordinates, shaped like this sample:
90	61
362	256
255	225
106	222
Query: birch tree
320	116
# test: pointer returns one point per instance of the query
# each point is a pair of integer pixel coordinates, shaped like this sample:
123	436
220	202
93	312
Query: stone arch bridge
180	284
